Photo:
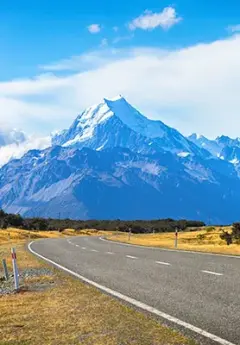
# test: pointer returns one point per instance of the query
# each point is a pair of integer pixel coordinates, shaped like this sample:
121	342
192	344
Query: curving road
198	293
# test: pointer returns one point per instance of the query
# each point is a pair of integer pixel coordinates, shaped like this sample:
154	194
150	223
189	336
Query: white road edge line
71	243
168	250
131	257
214	273
136	302
163	263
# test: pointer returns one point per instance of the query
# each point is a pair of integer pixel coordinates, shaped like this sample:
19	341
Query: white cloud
122	38
18	150
192	89
115	28
104	43
149	20
234	28
80	63
94	28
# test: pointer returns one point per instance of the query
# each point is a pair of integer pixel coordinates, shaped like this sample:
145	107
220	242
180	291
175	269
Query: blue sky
34	33
178	62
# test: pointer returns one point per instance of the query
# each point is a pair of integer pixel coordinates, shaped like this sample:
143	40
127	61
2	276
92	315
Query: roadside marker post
6	275
15	269
129	234
176	238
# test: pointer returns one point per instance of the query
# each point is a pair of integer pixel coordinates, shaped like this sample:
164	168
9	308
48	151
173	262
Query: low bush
201	237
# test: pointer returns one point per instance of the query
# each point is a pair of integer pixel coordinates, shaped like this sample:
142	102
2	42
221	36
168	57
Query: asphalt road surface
200	291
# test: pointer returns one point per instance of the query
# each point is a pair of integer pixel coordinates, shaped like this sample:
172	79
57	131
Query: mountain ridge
97	122
113	162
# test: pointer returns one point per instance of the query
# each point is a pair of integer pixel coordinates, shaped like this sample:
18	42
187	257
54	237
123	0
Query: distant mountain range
222	147
113	162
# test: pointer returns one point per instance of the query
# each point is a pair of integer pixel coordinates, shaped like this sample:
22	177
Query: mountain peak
196	136
114	122
115	99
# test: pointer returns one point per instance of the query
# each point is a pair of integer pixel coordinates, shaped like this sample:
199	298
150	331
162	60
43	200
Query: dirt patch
31	279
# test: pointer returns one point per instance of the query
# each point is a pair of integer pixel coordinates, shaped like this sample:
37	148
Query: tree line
135	226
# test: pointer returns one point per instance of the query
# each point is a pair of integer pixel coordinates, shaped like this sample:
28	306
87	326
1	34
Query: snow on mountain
222	147
113	162
210	145
117	183
114	122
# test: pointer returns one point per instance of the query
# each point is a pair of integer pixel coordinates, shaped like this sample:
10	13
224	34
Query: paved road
200	289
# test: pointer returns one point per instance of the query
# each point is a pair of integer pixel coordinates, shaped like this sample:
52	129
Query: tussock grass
69	312
12	234
73	313
206	239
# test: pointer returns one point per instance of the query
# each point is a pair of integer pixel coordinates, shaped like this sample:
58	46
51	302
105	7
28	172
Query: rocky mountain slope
116	183
115	163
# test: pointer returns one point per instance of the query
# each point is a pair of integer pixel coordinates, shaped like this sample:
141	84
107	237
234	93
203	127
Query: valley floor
53	308
204	240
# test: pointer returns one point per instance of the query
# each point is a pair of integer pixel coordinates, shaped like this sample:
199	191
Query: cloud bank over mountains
189	88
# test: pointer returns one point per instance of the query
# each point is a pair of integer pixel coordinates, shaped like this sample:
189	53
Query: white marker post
15	269
176	238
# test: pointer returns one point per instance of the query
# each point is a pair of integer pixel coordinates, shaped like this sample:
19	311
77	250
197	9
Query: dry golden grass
189	240
12	234
69	312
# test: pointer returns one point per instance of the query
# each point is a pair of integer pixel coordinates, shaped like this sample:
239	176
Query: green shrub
201	237
210	228
226	236
236	231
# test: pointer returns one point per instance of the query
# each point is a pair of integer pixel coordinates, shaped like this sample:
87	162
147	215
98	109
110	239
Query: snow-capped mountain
115	123
223	147
11	136
115	163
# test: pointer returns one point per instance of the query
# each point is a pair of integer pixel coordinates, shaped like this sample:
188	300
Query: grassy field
64	311
13	234
205	240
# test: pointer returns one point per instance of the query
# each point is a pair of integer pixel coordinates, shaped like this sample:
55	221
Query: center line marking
163	263
131	257
110	253
214	273
137	303
77	245
94	250
83	247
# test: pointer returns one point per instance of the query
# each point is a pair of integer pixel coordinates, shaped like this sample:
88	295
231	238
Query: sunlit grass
206	240
12	234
